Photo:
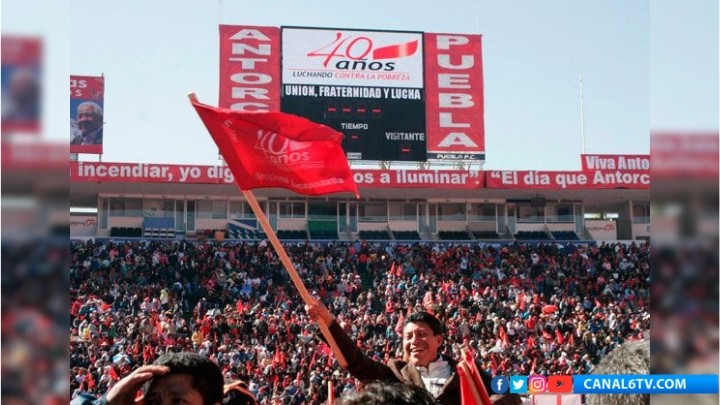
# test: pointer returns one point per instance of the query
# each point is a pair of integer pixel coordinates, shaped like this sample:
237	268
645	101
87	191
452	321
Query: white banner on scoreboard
352	58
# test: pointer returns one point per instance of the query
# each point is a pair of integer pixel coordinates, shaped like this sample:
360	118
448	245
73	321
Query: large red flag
475	380
467	396
274	149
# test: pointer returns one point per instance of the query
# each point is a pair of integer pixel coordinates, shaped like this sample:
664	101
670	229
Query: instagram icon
537	384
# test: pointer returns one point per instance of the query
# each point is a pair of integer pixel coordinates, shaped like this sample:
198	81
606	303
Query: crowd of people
521	308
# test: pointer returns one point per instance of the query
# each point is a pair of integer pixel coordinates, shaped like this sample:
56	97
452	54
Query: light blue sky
153	52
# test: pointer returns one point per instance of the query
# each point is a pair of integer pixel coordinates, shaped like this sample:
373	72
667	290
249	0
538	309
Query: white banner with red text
393	178
568	180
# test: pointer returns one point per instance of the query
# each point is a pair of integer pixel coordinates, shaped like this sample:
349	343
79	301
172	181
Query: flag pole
285	259
297	281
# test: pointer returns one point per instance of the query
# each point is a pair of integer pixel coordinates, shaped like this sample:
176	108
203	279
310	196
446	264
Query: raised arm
360	365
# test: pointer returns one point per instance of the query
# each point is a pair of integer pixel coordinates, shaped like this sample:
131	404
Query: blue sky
153	52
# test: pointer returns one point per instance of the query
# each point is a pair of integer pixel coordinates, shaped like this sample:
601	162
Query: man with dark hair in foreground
186	378
422	365
381	393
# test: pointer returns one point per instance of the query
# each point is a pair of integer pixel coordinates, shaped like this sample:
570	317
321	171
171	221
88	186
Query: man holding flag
422	365
273	149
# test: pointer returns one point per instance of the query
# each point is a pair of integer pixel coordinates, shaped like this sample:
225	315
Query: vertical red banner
455	112
87	95
21	84
249	68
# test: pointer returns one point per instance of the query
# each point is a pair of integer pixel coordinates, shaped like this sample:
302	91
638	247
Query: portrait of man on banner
86	114
87	126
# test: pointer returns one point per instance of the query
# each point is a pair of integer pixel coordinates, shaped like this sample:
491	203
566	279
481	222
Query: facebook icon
499	384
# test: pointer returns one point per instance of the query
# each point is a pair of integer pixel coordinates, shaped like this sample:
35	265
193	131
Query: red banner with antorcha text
249	68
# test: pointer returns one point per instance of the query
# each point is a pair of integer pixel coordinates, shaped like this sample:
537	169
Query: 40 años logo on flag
279	150
284	151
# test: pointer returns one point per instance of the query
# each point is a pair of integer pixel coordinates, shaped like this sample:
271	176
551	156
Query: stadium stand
323	230
288	234
238	231
454	235
406	235
158	227
532	235
485	235
131	301
374	235
565	235
126	232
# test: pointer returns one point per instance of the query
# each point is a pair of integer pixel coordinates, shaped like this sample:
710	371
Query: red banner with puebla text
274	149
87	95
249	68
568	180
454	89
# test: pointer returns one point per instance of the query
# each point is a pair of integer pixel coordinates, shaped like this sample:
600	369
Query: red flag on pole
312	360
111	372
274	149
331	393
280	150
473	380
559	336
90	381
503	334
521	300
467	396
400	323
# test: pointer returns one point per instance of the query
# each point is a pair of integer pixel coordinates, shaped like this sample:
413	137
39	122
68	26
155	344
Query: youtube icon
559	384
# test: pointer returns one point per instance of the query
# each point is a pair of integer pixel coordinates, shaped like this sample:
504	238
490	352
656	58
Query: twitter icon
518	384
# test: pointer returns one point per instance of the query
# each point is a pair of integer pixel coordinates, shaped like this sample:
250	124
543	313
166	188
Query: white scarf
435	375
